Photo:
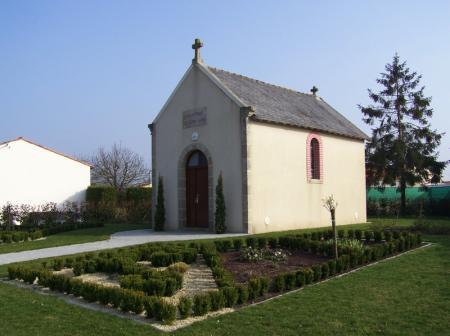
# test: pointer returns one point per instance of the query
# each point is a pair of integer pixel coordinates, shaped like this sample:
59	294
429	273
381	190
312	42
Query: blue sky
76	75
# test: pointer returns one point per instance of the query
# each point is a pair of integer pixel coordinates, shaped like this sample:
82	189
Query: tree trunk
402	197
333	224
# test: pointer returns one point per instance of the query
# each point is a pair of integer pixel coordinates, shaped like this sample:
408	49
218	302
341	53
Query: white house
280	153
34	175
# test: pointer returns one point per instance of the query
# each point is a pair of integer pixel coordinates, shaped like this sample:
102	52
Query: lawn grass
71	237
408	295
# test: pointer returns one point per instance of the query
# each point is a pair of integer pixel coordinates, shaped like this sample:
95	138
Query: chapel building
280	153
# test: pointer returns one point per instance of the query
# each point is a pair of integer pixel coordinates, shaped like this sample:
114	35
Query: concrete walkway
119	239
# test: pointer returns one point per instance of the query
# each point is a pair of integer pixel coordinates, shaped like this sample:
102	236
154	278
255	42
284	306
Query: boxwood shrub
238	243
262	242
300	278
317	272
309	275
351	234
273	242
251	242
278	283
202	304
325	270
264	285
168	312
216	300
230	295
185	307
254	288
289	280
242	294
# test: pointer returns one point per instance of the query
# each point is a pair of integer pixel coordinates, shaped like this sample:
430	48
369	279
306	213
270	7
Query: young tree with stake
330	204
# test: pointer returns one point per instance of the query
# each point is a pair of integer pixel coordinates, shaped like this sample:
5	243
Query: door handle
196	199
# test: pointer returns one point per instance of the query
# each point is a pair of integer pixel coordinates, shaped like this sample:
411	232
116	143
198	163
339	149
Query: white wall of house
31	174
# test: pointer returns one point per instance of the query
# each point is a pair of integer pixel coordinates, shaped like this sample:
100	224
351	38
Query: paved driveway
119	239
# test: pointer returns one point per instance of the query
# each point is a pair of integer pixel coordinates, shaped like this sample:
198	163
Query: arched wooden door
197	190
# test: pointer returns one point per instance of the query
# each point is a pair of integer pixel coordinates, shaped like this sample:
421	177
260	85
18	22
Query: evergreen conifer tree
220	215
402	150
160	212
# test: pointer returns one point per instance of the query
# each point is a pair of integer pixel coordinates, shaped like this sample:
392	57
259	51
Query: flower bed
242	271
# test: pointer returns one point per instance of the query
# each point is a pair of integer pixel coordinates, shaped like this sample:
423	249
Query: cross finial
196	46
314	90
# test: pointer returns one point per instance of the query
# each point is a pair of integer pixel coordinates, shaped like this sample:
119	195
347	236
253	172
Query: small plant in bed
251	254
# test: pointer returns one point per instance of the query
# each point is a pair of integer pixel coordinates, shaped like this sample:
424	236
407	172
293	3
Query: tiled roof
285	106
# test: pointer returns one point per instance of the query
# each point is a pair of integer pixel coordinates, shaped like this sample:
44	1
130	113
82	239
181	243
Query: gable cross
314	90
196	46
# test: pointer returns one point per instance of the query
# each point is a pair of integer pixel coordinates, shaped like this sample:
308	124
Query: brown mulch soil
243	270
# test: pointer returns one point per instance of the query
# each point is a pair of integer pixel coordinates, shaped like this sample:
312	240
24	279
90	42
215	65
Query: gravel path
119	239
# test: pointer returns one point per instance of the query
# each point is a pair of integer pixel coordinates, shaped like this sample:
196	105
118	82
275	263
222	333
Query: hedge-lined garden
377	245
144	289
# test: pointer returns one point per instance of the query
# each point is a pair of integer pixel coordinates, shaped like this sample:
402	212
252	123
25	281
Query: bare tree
119	167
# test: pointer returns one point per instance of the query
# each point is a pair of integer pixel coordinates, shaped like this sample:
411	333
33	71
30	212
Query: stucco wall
279	193
220	136
32	175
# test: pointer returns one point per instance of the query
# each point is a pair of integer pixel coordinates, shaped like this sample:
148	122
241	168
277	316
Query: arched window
197	159
314	166
315	159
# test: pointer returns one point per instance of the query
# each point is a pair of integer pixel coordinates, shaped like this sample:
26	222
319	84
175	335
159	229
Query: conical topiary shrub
220	215
160	212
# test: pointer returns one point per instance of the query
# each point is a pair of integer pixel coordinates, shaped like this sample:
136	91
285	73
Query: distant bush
108	205
432	227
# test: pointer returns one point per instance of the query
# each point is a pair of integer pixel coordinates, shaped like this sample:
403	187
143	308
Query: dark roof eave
263	120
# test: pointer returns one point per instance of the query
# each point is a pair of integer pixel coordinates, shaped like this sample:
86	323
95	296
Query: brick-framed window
314	158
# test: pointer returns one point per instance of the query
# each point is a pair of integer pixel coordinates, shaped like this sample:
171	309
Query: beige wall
221	136
278	189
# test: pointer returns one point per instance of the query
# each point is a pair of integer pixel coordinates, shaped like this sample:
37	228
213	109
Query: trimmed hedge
107	204
125	299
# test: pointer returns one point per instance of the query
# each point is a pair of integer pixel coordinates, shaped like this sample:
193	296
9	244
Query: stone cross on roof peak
196	46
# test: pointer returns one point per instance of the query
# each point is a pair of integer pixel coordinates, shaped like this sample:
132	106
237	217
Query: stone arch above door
182	184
